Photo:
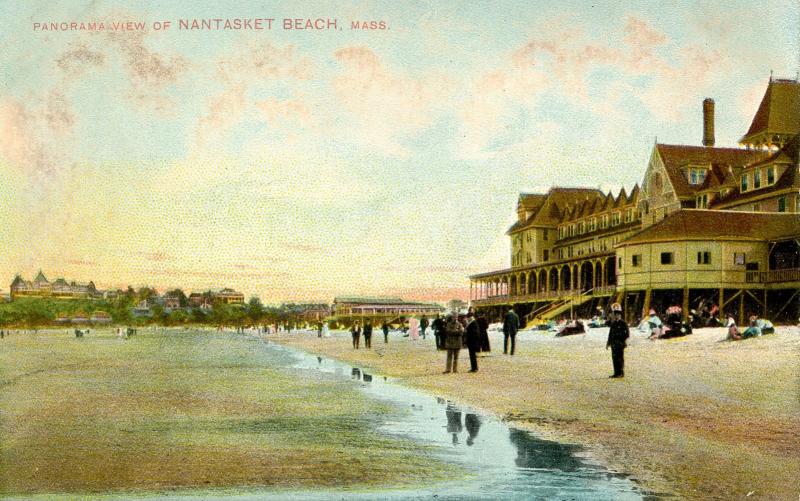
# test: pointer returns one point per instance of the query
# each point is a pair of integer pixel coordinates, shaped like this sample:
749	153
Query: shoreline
682	422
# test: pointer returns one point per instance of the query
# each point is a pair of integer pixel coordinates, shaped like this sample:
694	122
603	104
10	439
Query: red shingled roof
675	157
779	111
700	224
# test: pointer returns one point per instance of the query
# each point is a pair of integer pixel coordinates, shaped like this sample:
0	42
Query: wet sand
696	417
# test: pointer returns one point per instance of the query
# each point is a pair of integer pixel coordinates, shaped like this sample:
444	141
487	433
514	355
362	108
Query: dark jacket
511	323
367	330
453	332
355	331
618	332
473	335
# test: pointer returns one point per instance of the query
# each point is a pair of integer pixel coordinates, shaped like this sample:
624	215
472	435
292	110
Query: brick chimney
708	122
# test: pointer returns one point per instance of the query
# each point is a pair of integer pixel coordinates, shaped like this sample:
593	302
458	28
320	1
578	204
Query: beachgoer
355	330
618	334
385	329
510	328
753	330
483	327
423	325
368	334
473	338
413	328
733	331
655	324
326	332
453	331
438	331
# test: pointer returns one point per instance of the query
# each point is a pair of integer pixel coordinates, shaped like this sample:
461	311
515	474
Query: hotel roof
702	224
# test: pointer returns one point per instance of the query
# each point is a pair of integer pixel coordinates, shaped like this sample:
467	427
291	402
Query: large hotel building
706	225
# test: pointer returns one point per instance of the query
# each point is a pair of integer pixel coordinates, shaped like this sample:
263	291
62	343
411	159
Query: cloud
158	257
81	262
385	108
26	135
79	58
253	66
595	74
150	73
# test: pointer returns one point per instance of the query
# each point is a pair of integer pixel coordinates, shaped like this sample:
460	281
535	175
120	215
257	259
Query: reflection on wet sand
453	422
543	454
473	424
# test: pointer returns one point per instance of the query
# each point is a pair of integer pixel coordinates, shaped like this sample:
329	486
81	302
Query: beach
697	417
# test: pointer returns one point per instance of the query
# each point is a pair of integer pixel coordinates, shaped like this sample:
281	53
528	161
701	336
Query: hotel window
697	176
629	215
619	263
757	179
544	235
782	204
569	251
744	182
581	228
770	175
604	221
704	257
636	260
528	256
545	255
615	219
666	258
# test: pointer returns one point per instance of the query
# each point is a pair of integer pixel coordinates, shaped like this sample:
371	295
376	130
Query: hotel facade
706	225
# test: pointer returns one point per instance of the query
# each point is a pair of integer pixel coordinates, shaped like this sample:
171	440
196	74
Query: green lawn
184	410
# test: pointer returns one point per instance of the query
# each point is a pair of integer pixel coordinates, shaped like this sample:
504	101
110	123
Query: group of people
758	327
675	325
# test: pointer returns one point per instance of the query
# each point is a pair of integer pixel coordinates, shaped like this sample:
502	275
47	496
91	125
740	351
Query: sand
697	417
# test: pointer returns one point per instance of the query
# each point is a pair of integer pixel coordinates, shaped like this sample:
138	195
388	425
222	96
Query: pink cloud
78	59
81	262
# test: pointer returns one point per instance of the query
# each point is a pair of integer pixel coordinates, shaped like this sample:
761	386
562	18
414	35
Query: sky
305	164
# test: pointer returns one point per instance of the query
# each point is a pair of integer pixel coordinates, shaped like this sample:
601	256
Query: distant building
348	306
59	289
100	317
228	296
172	302
309	312
80	318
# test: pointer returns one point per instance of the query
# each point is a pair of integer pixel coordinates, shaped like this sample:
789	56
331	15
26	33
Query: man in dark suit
368	334
473	339
510	328
618	334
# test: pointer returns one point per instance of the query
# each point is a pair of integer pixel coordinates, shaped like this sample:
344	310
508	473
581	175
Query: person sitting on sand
753	330
655	324
733	331
765	326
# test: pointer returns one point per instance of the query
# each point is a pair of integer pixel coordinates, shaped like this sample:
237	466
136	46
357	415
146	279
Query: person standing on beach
618	334
473	338
368	334
385	329
510	328
483	328
355	330
423	325
438	331
453	332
